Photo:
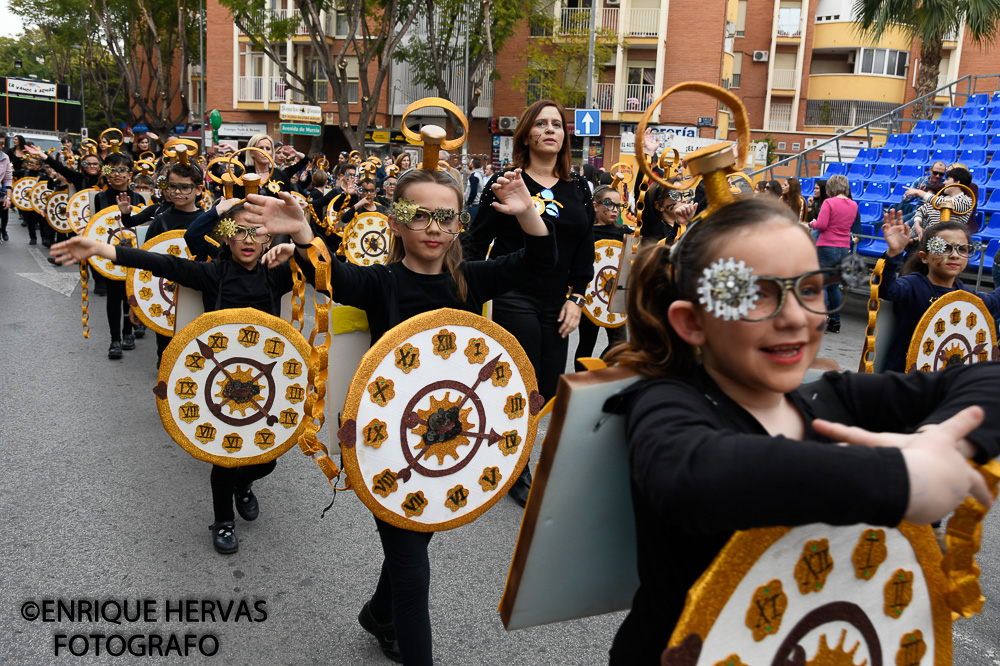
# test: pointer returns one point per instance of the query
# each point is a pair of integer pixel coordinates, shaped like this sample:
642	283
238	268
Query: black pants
588	340
4	216
401	595
226	480
118	307
161	343
37	226
534	322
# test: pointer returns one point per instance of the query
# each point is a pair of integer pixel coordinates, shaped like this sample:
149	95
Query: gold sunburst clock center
240	391
441	428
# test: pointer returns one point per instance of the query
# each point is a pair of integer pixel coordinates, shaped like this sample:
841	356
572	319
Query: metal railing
638	96
321	92
260	21
780	119
784	79
574	21
642	22
734	82
609	19
604	96
894	121
278	89
846	112
251	89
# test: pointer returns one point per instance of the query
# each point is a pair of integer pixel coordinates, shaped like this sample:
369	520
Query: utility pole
201	79
590	75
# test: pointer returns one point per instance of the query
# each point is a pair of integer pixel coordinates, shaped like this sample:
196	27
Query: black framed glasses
611	204
253	233
121	171
809	289
366	190
939	173
946	249
183	188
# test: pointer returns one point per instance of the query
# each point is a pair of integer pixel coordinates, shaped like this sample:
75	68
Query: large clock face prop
78	209
106	227
21	195
597	298
439	420
56	212
232	387
956	329
154	299
366	239
39	196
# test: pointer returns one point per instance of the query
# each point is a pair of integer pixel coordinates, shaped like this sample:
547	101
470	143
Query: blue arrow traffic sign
587	122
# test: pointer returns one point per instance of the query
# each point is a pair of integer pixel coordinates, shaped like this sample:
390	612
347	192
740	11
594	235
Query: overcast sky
10	25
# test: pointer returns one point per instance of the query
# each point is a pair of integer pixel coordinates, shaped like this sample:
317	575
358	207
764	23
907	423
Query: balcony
576	22
642	22
321	93
406	90
262	20
604	96
251	89
781	118
784	79
278	89
638	96
734	82
790	29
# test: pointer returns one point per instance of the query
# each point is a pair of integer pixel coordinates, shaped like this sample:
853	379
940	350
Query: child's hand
896	232
685	212
74	250
278	254
124	204
223	206
34	150
940	477
512	194
277	216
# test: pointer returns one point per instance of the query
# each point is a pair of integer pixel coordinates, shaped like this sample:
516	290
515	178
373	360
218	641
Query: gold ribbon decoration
711	164
867	364
115	143
946	206
83	296
433	137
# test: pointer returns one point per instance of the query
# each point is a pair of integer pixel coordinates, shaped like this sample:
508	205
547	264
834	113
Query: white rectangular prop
575	554
190	307
351	339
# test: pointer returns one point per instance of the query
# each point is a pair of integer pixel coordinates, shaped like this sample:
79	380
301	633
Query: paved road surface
99	503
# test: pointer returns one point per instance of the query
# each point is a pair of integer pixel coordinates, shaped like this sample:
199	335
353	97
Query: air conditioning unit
508	123
612	3
760	56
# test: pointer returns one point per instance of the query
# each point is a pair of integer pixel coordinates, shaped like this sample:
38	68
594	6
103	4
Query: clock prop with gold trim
597	296
367	238
956	329
57	213
439	421
106	227
78	209
152	298
232	387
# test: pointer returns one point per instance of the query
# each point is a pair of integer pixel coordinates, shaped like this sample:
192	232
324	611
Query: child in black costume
720	437
425	272
235	279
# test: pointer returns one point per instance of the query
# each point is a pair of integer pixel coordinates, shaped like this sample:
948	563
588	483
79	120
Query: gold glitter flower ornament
728	289
225	229
106	169
937	245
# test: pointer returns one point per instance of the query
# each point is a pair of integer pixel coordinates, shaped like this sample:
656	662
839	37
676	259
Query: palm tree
929	21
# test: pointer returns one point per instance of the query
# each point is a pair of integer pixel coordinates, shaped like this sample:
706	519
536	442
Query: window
737	68
885	62
789	21
741	18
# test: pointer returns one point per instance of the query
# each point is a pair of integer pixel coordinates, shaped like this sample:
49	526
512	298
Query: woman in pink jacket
834	243
6	188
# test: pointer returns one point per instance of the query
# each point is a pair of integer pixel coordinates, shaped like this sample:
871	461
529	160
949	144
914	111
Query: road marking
57	281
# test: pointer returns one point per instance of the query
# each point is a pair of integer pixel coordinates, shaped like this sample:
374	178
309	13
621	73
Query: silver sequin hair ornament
728	289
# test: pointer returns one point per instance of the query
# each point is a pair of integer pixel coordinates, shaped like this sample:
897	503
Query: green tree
456	45
557	58
929	21
373	32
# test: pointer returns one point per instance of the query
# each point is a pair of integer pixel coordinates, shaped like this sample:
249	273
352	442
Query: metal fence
848	112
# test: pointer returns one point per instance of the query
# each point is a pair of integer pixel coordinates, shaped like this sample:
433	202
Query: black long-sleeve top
169	218
573	223
703	467
77	179
223	283
393	293
611	232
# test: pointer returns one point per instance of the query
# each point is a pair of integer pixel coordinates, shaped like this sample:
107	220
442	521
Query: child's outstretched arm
936	462
514	199
81	248
896	232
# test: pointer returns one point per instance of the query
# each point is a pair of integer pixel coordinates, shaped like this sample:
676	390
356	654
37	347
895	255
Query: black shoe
46	243
224	537
833	326
32	242
385	634
128	342
23	223
519	491
246	504
115	350
139	331
5	237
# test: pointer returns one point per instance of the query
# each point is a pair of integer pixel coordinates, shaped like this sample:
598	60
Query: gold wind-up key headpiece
89	147
433	136
179	150
114	138
946	205
146	167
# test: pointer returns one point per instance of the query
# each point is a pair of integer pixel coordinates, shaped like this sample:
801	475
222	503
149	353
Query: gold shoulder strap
871	331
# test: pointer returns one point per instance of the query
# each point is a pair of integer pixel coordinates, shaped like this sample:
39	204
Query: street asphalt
100	504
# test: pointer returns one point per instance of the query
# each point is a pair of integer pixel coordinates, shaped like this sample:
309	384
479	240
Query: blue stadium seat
897	191
834	168
951	113
924	141
995	99
976	127
975	112
867	155
857	189
980	220
911	172
871	212
979	174
946	155
993	181
948	141
949	127
973	157
982	99
974	141
991	205
897	141
990	229
993	144
916	157
859	171
876	247
995	162
807	185
991	249
925	127
891	156
883	173
994	114
869	231
877	192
